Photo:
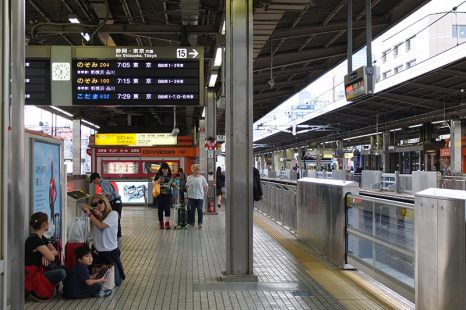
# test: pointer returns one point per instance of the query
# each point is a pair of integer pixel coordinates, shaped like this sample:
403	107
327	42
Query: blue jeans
195	204
56	275
110	257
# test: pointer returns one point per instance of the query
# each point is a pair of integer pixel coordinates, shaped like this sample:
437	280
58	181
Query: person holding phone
104	223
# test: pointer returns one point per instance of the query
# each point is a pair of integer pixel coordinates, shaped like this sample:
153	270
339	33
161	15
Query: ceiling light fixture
89	123
62	111
415	126
218	57
73	18
213	78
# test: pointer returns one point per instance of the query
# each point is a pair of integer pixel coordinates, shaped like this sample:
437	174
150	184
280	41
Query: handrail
385	201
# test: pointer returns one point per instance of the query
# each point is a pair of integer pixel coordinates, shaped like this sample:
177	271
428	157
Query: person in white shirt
104	230
197	189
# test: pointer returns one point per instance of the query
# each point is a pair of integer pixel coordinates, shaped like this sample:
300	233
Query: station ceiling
304	38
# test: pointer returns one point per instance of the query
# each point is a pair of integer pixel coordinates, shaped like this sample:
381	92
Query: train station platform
179	269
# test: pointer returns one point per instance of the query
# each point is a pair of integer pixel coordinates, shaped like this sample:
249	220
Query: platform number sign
181	53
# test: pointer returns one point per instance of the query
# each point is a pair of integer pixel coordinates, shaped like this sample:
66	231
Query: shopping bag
77	231
156	190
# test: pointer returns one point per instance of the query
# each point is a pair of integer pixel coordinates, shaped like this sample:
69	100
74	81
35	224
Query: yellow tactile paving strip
342	285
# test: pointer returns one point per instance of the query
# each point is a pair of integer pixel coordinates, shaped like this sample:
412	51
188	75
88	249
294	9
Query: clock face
60	71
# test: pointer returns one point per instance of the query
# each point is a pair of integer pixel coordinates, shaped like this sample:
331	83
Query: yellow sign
135	139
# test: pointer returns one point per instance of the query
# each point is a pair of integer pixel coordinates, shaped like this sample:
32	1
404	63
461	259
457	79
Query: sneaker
161	225
219	206
104	293
167	225
38	299
199	226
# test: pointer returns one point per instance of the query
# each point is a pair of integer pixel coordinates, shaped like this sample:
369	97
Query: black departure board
135	82
37	78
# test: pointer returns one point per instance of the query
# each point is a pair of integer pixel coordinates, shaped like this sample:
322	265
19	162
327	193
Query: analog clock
60	71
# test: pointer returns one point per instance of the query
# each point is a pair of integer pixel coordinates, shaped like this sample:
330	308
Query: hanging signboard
135	139
37	82
136	76
356	83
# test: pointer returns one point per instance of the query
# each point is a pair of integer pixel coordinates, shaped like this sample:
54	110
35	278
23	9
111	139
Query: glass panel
360	216
395	225
396	265
361	248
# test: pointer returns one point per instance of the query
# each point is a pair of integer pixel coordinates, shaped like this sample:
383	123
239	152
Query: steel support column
4	112
370	68
211	155
77	147
16	232
456	131
349	31
239	157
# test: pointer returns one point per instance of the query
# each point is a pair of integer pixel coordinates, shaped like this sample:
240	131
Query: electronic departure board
37	78
135	81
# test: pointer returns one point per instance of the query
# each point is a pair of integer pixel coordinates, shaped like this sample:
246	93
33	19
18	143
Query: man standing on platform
111	193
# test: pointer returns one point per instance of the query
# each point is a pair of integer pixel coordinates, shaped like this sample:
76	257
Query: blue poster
46	189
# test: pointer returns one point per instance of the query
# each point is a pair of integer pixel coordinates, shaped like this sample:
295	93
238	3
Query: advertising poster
132	192
46	189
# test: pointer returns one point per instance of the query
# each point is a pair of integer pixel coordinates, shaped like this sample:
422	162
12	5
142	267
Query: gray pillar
17	206
349	32
285	157
239	249
455	143
76	147
211	132
4	112
385	154
202	151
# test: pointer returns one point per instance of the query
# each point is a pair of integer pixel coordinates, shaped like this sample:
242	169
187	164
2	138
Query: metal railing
380	240
279	203
452	182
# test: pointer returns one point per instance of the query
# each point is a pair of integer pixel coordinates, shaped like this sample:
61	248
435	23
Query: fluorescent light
213	78
396	129
89	123
203	113
218	57
86	36
415	126
223	28
437	122
73	18
61	111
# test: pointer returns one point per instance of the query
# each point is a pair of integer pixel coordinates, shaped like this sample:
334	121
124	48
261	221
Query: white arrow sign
194	53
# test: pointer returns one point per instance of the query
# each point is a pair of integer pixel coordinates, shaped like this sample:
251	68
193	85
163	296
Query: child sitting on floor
79	283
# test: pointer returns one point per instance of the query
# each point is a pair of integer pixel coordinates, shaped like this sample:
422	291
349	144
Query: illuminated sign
356	84
37	82
137	76
135	139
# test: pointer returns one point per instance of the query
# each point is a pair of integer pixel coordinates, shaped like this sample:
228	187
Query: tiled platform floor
178	269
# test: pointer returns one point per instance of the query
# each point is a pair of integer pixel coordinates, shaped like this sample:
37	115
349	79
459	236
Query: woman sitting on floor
42	274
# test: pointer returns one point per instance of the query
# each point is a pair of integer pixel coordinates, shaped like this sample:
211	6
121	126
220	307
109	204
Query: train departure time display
37	82
130	81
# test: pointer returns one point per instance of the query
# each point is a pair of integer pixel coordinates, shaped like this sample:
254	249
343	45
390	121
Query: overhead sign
135	139
356	83
136	76
37	78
